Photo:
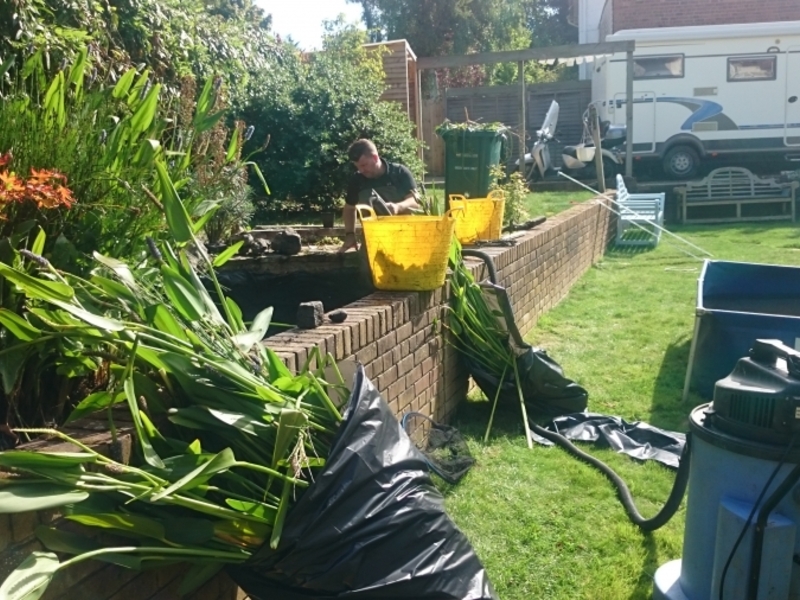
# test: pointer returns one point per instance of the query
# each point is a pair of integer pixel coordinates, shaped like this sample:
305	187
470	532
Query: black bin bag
371	526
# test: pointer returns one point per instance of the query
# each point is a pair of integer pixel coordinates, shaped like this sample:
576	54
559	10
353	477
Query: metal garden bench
736	195
639	212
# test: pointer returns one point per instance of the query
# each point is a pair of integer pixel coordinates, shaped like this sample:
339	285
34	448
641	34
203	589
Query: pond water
254	292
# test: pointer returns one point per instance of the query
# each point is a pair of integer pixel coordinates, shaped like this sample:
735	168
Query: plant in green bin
479	333
228	436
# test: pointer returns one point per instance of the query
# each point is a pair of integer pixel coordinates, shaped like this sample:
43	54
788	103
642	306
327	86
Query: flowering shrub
46	189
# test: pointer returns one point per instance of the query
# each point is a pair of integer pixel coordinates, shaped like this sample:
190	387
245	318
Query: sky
302	19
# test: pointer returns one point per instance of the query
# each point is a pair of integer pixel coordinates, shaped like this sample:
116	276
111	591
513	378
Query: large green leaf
290	424
258	330
30	579
24	459
277	368
205	101
150	455
132	524
162	319
146	112
95	320
280	517
25	497
236	314
178	221
184	296
254	509
199	476
39	289
135	92
93	403
119	268
12	363
202	419
19	327
58	540
38	243
124	84
227	254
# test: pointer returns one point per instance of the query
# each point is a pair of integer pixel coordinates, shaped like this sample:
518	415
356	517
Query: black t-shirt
393	186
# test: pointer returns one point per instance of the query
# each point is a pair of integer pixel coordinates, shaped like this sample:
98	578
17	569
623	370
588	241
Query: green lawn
549	527
552	203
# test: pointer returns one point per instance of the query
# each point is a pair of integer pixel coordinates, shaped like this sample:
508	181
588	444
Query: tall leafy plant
314	107
238	434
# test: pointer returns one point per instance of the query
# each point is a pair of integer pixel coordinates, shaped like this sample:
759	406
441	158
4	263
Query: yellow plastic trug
479	218
407	253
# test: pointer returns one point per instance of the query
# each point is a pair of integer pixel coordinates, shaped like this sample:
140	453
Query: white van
707	91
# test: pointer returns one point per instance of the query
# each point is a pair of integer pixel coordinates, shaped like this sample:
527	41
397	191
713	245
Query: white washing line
642	227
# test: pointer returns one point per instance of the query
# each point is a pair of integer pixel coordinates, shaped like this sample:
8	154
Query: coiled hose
623	493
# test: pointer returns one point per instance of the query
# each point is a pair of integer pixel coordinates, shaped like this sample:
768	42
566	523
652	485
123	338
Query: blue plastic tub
738	303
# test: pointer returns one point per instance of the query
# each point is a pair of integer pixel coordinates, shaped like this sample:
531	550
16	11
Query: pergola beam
538	54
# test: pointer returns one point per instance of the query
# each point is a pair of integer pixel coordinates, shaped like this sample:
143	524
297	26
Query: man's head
364	155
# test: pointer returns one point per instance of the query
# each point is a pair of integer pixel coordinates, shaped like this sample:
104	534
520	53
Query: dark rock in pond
253	246
287	242
310	314
337	316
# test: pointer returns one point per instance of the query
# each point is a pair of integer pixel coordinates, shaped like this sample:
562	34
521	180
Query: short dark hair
360	148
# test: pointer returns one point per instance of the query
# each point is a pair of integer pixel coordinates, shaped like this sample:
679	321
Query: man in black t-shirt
376	180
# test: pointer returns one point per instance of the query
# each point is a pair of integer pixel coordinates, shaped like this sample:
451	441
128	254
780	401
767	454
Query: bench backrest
622	190
732	182
644	205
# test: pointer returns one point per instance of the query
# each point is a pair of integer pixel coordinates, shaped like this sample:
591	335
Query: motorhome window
658	67
752	68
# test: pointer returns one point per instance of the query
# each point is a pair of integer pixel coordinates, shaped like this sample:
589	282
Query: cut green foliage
227	436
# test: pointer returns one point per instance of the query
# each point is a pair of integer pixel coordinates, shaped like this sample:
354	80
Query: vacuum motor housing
760	399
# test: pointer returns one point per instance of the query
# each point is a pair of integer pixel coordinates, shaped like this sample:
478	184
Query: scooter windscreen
550	121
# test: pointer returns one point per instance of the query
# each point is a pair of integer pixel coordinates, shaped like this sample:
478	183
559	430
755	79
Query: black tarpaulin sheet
638	439
545	388
371	526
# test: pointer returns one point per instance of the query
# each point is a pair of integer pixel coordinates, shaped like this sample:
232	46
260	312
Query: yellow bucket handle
371	212
367	208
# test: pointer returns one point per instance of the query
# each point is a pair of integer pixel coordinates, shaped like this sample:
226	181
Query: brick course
643	14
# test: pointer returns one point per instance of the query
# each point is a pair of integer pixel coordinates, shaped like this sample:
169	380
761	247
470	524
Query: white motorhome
707	91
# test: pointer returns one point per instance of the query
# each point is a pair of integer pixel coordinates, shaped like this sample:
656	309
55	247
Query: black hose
624	494
761	526
487	260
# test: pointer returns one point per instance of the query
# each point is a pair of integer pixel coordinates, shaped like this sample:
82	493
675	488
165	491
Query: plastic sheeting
371	526
545	389
637	439
547	392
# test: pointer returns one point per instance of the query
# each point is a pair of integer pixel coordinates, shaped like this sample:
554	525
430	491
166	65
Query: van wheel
681	162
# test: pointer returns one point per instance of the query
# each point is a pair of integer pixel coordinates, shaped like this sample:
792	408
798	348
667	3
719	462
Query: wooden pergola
544	55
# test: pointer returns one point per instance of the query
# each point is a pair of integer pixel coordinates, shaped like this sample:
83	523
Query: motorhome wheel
681	162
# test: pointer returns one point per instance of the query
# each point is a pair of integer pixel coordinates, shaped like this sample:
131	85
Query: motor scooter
579	160
537	162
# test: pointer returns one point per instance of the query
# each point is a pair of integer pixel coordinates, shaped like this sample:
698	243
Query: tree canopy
447	27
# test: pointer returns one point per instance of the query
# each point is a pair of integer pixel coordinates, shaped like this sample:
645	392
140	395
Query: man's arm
407	205
349	218
407	184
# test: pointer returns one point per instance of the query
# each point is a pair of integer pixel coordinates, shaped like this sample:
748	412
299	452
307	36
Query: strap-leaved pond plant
227	435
